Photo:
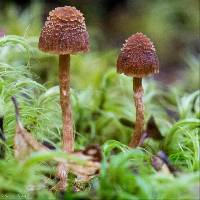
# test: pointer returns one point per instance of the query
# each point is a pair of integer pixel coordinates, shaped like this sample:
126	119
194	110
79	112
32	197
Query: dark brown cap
64	32
138	57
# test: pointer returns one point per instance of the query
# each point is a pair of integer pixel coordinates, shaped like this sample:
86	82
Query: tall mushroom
65	33
138	59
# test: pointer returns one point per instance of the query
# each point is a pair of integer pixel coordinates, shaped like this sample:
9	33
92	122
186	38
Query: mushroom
138	59
65	33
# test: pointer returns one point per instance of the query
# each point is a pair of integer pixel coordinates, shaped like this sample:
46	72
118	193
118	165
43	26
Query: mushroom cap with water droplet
64	32
138	57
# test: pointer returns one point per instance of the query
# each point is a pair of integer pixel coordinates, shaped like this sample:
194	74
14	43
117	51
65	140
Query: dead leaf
92	157
143	138
161	163
153	130
85	171
2	140
24	142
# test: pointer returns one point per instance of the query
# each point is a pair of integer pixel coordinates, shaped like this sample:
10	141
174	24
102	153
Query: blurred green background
96	87
172	25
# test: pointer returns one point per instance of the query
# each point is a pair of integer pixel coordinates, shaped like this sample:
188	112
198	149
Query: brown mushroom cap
64	32
138	57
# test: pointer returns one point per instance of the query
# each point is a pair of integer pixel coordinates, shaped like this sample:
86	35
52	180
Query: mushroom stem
64	78
138	98
68	139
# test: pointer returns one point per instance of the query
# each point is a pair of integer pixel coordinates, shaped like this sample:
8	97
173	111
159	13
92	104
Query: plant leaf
2	140
161	163
153	130
24	142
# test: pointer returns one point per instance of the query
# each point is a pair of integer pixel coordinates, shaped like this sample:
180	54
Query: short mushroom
138	59
65	33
